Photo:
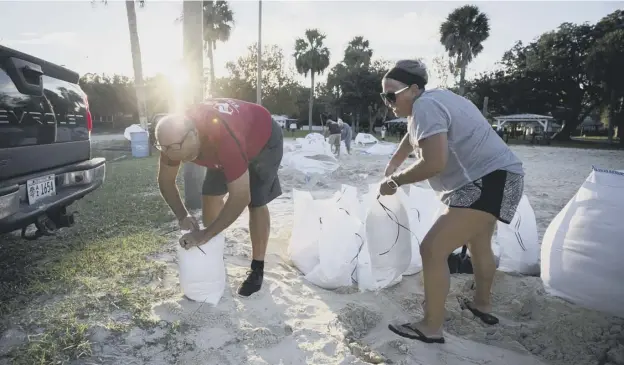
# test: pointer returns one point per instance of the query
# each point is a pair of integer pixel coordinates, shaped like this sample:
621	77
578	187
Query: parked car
45	147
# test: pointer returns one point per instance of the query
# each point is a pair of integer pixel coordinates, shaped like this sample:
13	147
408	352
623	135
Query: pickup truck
45	147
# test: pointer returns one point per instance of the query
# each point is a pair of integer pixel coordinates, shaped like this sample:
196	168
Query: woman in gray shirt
478	177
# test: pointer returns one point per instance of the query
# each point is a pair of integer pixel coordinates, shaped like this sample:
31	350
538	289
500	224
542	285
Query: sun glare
178	78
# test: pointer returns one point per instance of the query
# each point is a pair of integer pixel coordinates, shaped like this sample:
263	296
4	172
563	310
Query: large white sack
518	242
381	149
388	244
583	247
338	247
365	138
202	274
323	244
422	206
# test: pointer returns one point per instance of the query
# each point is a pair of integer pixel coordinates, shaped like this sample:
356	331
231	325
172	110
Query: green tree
311	56
462	34
218	24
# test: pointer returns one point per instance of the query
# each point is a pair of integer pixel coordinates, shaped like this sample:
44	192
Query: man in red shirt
242	148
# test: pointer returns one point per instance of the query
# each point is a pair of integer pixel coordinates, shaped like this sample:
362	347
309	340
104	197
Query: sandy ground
293	322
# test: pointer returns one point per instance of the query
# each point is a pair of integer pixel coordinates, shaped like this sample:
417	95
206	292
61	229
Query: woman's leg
450	231
484	267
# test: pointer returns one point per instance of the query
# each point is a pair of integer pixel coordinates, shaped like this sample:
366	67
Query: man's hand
194	239
385	188
390	168
189	223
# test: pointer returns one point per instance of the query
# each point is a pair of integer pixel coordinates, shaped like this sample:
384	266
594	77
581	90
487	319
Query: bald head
177	136
172	128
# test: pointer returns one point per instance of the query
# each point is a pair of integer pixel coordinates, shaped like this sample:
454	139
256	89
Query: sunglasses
390	97
174	146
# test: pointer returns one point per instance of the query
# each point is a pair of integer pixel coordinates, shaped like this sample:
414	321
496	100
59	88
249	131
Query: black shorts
497	193
263	179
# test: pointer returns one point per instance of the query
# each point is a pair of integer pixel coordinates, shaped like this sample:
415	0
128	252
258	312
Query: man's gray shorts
263	178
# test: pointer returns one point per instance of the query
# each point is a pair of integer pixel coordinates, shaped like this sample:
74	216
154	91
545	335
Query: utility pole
259	73
193	55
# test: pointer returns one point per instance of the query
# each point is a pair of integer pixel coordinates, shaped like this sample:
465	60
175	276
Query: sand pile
293	322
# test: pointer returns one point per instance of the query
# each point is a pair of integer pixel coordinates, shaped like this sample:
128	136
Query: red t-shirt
250	124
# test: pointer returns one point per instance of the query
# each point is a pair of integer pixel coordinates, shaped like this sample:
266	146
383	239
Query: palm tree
462	35
311	56
218	24
135	48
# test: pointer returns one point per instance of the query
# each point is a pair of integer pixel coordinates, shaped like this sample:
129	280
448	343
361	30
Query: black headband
405	77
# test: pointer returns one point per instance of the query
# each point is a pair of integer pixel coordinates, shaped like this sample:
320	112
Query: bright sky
90	37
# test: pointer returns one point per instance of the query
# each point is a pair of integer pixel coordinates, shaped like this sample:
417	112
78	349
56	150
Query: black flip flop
484	317
418	335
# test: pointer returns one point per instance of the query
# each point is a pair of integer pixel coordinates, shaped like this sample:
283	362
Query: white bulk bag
338	247
518	242
323	244
202	274
303	246
388	243
134	128
583	247
422	206
365	138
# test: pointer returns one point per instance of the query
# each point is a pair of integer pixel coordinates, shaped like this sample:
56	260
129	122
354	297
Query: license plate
40	188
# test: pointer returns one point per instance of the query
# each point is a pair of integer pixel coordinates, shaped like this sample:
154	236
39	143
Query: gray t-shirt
475	149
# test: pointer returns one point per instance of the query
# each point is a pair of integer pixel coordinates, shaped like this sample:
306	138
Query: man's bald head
177	136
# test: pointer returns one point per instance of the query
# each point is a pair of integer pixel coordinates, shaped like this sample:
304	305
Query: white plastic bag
324	244
583	247
202	274
518	242
388	244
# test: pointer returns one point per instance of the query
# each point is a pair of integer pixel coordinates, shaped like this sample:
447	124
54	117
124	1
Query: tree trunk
612	106
136	62
462	80
311	105
210	51
193	44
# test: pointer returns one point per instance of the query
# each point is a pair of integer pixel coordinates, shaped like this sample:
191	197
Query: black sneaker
252	284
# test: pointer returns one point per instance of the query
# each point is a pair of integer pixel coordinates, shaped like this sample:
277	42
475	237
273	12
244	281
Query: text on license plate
40	187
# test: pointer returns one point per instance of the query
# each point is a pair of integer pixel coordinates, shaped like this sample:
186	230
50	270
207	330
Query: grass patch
97	272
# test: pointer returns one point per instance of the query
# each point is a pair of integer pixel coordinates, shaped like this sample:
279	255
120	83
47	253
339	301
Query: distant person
479	179
242	148
293	128
333	135
383	132
346	134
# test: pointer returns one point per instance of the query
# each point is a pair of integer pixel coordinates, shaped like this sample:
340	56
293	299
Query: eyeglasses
174	146
390	97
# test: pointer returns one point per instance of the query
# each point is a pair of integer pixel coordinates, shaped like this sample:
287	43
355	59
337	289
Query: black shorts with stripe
497	193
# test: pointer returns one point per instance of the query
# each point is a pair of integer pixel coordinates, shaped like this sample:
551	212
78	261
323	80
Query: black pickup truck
45	147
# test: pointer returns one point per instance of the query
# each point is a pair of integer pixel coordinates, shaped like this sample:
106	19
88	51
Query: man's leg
259	230
213	192
265	186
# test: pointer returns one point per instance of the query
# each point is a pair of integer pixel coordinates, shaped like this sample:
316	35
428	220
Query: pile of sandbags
372	243
583	248
311	156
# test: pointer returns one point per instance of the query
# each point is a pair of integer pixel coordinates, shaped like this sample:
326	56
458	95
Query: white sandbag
323	244
583	247
365	138
303	246
338	247
202	274
518	242
134	128
421	205
308	164
388	244
381	149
